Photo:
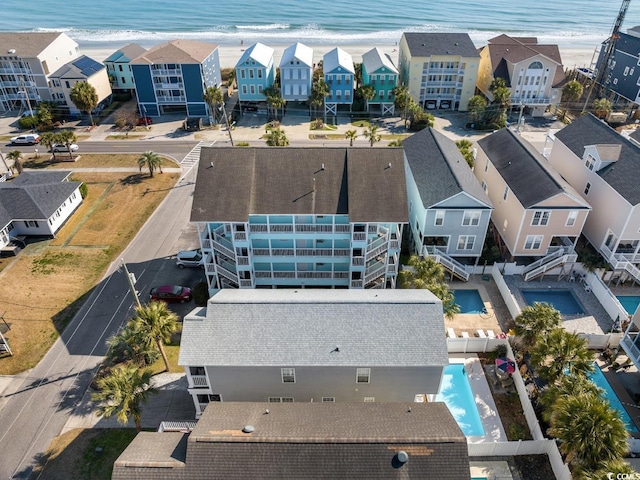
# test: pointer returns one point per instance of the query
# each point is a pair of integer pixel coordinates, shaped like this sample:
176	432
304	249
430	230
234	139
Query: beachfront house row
255	72
314	345
82	69
172	77
603	166
532	71
27	61
36	204
536	212
624	69
119	67
449	212
296	73
376	441
439	69
339	72
379	71
300	217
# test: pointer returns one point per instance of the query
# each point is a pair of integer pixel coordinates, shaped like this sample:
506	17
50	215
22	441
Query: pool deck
494	431
491	470
617	385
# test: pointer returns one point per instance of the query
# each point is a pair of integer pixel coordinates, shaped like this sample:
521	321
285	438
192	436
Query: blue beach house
172	77
379	71
296	72
255	72
119	68
338	70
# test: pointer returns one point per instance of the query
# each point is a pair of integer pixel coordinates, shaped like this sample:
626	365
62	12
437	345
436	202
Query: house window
363	375
484	186
369	399
587	188
540	218
439	218
590	162
328	399
259	88
251	74
486	166
198	371
123	80
259	73
571	218
252	89
471	218
244	89
506	193
533	242
242	73
466	242
626	71
280	400
31	224
288	375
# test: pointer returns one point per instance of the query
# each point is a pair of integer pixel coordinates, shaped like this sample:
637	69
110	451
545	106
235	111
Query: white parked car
25	139
190	258
61	147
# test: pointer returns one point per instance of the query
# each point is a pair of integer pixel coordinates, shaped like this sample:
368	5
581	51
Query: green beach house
379	71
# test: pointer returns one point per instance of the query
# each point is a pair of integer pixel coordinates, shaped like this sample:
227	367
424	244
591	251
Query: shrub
28	123
242	144
84	190
501	350
516	432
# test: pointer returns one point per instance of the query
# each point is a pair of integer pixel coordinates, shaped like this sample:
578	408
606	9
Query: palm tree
371	133
84	97
48	139
401	99
536	321
123	391
128	345
572	91
562	353
589	430
466	149
67	137
395	143
212	97
426	273
615	467
565	386
16	156
357	76
501	93
152	160
277	138
319	90
602	107
157	323
351	135
274	99
368	93
476	106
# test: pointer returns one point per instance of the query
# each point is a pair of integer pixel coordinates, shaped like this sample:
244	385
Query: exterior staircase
559	256
619	262
452	265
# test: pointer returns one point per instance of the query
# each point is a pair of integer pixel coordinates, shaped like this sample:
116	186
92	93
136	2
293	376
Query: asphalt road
39	409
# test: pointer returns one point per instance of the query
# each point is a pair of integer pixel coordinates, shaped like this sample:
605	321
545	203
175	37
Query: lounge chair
451	333
491	334
465	334
481	333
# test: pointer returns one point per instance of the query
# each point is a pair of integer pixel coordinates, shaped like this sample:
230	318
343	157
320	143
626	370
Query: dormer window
590	162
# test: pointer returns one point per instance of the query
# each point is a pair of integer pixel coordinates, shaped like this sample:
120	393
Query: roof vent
322	167
389	166
266	412
251	428
403	456
12	51
456	44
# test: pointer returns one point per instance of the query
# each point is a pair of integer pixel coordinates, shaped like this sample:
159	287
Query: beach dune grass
61	271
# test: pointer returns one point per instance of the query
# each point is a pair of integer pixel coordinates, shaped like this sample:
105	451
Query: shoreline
229	55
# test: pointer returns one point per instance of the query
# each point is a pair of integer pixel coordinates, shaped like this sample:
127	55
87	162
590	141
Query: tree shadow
133	179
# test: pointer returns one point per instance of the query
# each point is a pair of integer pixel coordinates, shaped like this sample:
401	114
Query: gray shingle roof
428	44
167	449
176	51
315	441
34	195
302	328
126	53
27	44
245	181
621	175
439	169
523	169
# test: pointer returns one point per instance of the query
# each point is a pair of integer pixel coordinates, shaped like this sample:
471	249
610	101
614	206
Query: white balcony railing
199	380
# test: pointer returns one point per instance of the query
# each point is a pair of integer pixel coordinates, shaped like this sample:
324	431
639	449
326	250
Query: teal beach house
338	70
379	71
255	72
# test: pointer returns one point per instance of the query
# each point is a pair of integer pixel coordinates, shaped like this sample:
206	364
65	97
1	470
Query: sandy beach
229	55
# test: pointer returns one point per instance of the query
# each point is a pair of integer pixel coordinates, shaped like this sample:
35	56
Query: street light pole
226	119
132	280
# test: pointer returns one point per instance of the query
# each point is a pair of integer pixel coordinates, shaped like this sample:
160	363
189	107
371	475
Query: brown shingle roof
234	183
176	51
26	44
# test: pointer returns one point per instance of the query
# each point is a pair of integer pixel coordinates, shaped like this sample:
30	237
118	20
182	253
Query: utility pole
26	95
226	119
520	118
131	278
9	174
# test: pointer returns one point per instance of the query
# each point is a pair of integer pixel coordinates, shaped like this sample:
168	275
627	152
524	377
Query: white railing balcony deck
242	260
357	261
241	236
343	228
178	99
199	381
14	70
631	349
166	72
261	252
314	228
281	228
342	252
357	283
378	272
258	228
314	252
530	101
392	268
394	245
359	236
168	86
283	252
246	283
446	261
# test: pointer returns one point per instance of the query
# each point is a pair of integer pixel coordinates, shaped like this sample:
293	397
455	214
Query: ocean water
98	24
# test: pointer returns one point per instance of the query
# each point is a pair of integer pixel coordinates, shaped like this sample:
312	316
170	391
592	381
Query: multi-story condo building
173	76
603	167
26	62
339	72
449	212
379	71
255	72
296	72
300	217
315	345
119	67
439	69
623	71
82	69
536	212
532	71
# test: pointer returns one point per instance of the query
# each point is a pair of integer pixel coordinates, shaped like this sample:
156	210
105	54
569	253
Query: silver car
189	258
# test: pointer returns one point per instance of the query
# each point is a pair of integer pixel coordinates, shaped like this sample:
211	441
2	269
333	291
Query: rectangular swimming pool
562	300
456	392
599	379
629	302
469	301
